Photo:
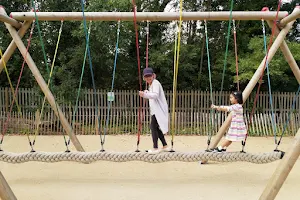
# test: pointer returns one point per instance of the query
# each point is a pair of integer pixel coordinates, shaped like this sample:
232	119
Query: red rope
147	45
265	63
139	71
236	58
147	61
17	87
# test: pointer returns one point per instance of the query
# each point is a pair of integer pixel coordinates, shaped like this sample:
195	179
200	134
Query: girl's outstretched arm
220	108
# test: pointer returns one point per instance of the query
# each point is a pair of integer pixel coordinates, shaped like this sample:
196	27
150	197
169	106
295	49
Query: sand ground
143	181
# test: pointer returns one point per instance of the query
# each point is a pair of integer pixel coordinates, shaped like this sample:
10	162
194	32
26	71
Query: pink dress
237	130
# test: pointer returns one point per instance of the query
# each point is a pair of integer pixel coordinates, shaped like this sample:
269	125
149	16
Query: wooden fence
192	113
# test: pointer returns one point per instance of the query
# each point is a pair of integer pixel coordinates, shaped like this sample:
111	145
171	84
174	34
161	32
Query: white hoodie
158	105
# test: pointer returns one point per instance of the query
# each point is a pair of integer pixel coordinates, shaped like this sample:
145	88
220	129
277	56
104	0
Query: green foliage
280	73
193	72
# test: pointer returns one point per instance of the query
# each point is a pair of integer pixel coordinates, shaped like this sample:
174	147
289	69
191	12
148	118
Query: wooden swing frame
285	23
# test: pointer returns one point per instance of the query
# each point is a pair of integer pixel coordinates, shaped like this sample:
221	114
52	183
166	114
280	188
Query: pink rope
16	90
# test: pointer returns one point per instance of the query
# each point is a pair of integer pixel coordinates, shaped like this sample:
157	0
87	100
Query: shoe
156	151
219	150
166	149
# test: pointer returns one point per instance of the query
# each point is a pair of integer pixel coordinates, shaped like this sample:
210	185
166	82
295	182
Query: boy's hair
238	96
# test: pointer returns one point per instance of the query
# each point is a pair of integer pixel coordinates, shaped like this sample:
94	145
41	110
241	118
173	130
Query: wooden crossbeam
150	16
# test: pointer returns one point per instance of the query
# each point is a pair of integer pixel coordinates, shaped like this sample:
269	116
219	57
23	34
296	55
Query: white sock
220	147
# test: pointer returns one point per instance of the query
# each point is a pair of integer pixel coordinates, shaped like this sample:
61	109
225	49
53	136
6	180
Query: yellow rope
176	71
49	80
174	90
11	86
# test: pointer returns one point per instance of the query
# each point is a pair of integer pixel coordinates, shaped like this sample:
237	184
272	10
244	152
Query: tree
193	63
280	72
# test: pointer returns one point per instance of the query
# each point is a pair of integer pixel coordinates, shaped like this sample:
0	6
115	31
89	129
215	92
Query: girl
237	130
158	110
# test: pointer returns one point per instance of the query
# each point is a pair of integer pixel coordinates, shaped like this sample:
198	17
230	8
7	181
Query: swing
89	157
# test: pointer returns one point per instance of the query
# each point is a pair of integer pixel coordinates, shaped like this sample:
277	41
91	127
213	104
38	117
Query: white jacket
158	105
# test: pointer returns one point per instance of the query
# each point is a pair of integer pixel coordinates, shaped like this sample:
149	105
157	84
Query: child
237	130
158	110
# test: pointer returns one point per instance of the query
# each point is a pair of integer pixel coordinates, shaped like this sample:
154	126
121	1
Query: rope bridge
90	157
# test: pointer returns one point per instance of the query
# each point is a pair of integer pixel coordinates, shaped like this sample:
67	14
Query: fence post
6	99
37	119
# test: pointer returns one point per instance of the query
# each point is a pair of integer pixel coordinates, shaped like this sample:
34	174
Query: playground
120	166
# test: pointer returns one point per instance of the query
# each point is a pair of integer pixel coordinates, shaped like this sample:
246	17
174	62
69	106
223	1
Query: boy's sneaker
154	151
219	150
167	149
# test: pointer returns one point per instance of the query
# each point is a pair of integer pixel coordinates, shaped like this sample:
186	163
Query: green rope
81	77
40	35
227	44
49	80
269	84
45	60
113	80
210	85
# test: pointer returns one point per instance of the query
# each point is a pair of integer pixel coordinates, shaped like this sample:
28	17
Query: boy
158	110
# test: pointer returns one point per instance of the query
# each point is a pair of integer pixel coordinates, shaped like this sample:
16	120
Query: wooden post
295	14
283	170
5	191
43	85
9	20
253	81
11	48
149	16
290	158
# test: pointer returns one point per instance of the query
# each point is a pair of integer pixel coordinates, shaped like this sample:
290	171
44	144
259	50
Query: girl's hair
238	96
